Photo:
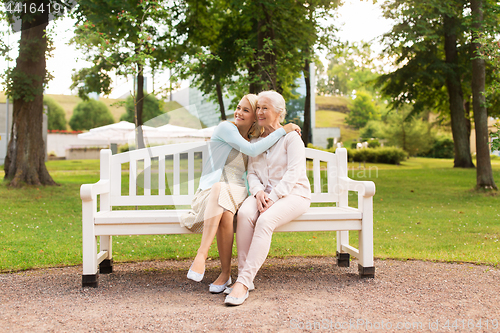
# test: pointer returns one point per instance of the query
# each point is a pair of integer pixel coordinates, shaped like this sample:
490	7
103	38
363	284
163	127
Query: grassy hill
179	116
331	112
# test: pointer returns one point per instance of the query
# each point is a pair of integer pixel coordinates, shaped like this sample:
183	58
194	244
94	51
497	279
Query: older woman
222	187
280	193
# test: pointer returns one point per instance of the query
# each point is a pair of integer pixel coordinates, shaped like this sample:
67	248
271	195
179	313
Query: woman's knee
265	224
227	220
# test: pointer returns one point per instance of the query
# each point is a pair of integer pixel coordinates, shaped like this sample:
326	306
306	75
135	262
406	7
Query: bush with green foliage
362	110
372	129
373	143
330	143
152	109
442	147
386	155
90	114
55	114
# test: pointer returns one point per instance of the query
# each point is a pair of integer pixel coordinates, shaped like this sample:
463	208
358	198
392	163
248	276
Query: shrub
55	114
442	147
373	143
372	129
386	155
90	114
330	143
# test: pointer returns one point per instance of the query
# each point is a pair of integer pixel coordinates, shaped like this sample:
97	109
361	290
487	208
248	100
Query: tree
122	36
409	133
362	110
153	108
429	43
350	68
25	160
90	114
55	114
484	173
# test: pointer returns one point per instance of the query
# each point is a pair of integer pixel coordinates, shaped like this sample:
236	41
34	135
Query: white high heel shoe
192	275
230	300
228	290
216	289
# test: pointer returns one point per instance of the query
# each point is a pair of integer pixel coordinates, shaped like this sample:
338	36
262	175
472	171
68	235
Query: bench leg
90	273
366	272
366	267
106	266
343	259
90	280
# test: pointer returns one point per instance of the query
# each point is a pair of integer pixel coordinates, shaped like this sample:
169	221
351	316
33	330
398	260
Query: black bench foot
343	259
106	266
366	272
90	280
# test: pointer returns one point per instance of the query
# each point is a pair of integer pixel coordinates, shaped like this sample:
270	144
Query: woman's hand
292	127
269	204
263	201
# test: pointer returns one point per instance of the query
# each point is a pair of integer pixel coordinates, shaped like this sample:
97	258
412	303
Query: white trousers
254	231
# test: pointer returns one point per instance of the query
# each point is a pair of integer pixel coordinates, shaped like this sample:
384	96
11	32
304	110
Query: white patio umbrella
113	133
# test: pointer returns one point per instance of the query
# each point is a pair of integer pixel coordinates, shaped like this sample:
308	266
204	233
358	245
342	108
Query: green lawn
423	209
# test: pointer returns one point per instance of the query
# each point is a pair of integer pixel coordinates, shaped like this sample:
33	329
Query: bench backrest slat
171	159
161	175
177	175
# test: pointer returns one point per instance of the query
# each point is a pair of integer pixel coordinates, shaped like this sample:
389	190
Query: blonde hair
255	130
277	101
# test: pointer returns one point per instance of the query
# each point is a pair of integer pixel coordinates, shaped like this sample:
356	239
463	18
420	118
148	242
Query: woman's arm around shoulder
228	132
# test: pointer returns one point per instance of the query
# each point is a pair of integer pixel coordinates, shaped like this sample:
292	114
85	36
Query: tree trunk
461	141
306	131
25	160
221	101
139	106
484	178
266	59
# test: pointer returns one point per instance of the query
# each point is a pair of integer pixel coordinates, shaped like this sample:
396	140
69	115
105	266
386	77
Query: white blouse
281	170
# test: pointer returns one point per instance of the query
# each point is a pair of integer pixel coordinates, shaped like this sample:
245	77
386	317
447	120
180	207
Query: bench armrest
364	188
89	191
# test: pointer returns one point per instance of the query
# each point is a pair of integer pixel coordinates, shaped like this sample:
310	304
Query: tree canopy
90	114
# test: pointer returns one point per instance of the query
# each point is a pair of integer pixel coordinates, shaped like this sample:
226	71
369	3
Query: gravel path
292	295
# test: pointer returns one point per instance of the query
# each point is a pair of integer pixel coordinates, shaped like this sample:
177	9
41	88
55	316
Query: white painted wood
156	200
191	173
106	245
351	250
147	177
161	175
177	175
132	185
101	256
317	176
108	222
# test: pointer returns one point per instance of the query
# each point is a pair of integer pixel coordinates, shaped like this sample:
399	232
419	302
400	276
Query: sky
358	20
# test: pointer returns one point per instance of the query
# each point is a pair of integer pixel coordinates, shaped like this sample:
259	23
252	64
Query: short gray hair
277	101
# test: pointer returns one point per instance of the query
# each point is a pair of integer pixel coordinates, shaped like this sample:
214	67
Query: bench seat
152	222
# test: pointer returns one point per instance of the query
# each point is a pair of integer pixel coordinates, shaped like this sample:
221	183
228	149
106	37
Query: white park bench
160	171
